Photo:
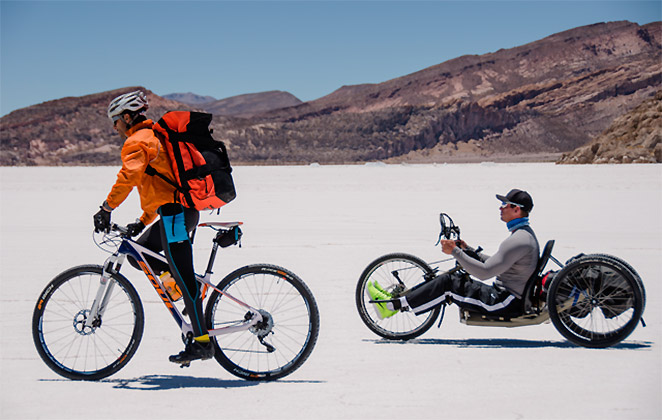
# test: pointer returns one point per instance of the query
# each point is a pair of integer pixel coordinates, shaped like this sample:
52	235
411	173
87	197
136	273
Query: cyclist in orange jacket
157	197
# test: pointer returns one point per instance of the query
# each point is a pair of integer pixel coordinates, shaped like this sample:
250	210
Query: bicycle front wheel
396	273
70	347
278	345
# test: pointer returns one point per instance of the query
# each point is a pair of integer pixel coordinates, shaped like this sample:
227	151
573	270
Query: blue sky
54	49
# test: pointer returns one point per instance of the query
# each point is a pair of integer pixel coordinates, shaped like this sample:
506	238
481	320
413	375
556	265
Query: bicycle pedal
182	364
381	301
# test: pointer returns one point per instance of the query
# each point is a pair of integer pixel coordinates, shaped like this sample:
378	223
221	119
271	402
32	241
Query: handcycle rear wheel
632	271
290	326
74	350
396	273
596	301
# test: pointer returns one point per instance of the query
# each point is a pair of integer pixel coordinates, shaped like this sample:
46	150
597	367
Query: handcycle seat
533	286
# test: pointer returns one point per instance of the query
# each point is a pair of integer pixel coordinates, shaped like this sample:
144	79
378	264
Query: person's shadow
164	382
507	343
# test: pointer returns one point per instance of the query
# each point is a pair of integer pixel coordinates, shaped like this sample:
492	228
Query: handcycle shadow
166	382
507	343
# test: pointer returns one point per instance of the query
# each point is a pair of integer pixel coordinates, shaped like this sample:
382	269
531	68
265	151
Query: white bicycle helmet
133	101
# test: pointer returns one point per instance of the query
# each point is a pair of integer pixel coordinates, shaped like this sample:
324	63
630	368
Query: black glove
133	229
102	221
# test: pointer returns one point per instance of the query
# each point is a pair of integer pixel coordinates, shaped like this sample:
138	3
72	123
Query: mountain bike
594	300
88	322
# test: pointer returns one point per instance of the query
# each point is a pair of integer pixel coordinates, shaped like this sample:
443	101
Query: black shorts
151	239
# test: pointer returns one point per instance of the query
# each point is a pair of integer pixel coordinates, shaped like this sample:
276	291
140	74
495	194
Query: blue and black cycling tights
179	252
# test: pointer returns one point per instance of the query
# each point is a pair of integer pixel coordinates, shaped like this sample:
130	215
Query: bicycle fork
104	292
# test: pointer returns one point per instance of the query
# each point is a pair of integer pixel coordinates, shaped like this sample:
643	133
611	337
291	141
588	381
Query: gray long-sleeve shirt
512	265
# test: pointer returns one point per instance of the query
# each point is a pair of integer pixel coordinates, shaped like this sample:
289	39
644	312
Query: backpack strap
174	138
149	170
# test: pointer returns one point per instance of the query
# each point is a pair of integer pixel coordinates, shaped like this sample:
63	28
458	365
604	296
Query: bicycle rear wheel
396	273
63	341
283	341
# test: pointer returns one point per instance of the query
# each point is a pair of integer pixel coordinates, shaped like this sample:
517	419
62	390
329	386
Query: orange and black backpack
203	175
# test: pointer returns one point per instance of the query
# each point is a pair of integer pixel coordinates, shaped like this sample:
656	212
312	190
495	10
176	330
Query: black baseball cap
519	198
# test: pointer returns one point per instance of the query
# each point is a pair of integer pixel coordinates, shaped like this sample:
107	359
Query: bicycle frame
131	248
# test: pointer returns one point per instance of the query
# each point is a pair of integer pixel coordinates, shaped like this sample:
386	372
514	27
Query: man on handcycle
171	232
513	264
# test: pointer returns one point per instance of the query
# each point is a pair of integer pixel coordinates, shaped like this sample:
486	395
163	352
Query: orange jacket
140	149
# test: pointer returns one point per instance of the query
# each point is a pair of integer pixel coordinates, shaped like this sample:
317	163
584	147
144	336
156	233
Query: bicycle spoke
603	309
289	323
79	351
395	273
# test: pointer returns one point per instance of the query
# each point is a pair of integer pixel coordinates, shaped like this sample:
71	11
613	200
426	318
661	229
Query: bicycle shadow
509	343
168	382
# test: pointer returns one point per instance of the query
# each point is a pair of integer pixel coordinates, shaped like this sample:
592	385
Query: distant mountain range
531	102
251	104
190	98
247	105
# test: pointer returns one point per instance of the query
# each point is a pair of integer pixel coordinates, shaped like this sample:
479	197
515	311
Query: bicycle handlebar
121	229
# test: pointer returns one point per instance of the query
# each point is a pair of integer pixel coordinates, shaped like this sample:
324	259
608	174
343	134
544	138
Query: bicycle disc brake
79	323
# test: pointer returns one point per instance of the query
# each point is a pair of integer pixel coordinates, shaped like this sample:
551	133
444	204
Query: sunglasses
115	120
509	204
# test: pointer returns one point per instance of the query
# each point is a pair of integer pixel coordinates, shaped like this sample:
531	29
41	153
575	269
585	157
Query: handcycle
594	300
88	322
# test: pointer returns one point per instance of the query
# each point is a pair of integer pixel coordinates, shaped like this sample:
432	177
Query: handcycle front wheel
396	273
281	343
596	301
77	351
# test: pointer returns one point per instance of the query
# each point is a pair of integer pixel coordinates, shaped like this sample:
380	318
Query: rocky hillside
635	137
69	131
540	99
